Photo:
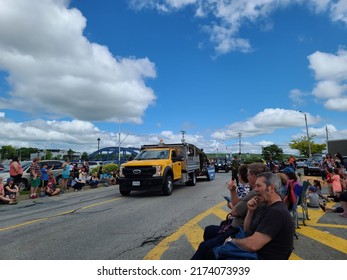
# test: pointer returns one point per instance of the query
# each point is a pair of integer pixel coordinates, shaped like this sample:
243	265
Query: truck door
176	165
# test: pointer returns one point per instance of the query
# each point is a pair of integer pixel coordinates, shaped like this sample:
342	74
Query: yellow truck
158	167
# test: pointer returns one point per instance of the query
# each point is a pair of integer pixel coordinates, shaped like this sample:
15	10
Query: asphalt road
100	224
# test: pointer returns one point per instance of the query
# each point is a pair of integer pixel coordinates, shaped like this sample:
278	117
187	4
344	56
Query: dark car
312	168
222	164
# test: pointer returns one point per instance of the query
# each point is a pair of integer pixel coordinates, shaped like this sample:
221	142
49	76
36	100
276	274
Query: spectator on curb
11	189
312	197
79	183
35	174
44	178
16	170
269	232
3	198
52	188
94	181
65	174
215	235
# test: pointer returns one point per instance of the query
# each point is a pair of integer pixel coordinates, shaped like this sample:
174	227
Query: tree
301	144
84	156
272	151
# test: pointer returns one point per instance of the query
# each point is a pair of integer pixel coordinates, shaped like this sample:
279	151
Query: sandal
322	207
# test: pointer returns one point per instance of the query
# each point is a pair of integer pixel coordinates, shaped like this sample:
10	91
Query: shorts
65	176
35	182
44	183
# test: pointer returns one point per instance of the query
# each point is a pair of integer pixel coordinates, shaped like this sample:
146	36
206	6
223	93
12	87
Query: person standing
234	170
16	170
65	174
44	178
35	175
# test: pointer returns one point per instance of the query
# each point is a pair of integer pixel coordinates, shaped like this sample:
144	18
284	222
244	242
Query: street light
308	137
98	143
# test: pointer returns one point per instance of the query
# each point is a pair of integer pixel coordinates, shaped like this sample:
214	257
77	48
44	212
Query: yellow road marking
60	214
194	233
157	251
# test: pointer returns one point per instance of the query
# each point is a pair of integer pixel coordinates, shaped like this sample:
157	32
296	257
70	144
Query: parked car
301	162
25	181
312	168
222	164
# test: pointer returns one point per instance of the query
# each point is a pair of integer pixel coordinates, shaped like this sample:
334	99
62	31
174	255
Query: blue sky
140	71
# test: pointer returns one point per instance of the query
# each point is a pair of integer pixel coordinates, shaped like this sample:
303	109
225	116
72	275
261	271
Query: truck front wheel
123	191
168	185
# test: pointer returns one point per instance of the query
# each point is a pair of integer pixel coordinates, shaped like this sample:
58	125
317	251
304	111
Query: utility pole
239	144
327	138
183	140
308	137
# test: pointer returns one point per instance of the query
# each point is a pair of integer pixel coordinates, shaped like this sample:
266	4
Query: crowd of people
44	183
260	224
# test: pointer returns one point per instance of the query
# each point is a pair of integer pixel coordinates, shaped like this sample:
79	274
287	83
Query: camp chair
303	203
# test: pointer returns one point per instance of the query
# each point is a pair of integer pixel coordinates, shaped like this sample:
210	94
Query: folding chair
303	203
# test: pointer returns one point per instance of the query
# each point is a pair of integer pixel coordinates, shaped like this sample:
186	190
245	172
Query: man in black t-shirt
270	231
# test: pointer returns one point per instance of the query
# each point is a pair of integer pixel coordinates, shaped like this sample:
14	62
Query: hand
230	205
253	203
231	185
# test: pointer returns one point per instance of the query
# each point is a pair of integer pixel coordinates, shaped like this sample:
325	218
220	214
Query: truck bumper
139	184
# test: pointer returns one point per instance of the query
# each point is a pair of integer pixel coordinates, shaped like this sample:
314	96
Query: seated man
269	231
213	235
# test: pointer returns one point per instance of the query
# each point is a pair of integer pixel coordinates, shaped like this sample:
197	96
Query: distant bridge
112	154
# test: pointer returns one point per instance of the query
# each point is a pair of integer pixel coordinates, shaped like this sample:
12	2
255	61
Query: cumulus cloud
265	122
330	71
226	17
53	71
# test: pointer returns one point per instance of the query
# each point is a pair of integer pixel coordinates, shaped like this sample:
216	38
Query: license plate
136	183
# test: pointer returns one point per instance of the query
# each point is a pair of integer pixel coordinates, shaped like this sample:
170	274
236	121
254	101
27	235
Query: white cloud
51	72
265	122
226	17
331	74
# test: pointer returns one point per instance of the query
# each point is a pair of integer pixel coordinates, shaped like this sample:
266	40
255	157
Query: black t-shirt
275	221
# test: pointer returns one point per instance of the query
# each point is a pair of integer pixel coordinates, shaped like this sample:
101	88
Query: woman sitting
79	183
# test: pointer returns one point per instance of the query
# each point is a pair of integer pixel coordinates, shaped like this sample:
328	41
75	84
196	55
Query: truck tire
192	180
123	192
168	185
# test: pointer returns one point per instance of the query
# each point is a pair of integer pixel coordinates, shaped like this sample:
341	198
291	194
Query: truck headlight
121	172
158	170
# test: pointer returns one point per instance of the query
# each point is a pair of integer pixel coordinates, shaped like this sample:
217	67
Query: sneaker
322	207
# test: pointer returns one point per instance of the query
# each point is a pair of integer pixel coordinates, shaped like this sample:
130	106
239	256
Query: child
51	188
44	178
312	197
11	190
94	181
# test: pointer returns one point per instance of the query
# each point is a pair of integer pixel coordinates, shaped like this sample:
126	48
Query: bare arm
253	243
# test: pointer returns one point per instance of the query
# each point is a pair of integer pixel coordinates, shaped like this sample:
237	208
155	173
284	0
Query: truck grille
139	171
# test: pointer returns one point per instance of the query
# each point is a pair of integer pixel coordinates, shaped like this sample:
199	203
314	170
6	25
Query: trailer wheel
192	180
167	186
123	191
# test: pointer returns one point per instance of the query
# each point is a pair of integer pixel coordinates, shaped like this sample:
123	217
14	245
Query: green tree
84	156
48	154
301	144
273	151
8	152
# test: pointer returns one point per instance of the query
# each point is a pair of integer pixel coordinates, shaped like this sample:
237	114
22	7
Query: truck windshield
153	154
